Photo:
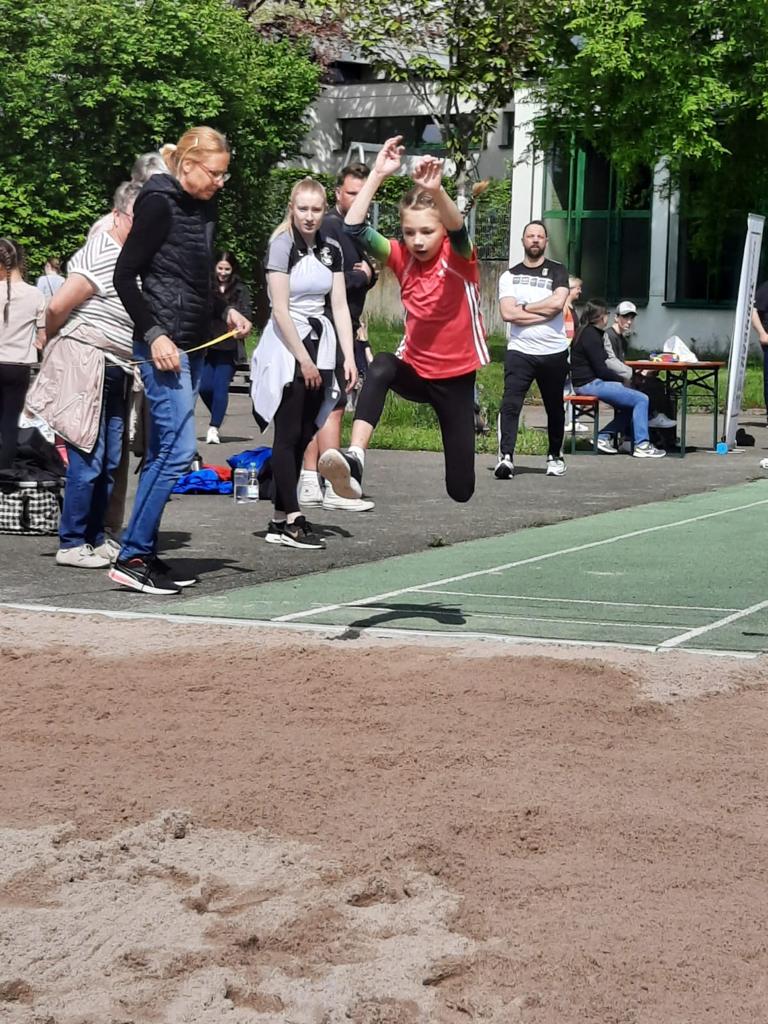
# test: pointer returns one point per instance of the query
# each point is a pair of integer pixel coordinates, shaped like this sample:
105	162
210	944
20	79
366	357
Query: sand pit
377	834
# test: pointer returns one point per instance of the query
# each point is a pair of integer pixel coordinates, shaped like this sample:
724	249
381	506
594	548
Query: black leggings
520	371
294	425
452	398
14	381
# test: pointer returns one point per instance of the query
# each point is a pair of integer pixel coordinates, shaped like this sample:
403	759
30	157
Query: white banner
737	359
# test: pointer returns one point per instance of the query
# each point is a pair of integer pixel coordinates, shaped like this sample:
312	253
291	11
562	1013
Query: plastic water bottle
240	486
253	482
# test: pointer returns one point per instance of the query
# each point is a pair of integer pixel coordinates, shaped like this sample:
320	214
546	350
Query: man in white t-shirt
532	295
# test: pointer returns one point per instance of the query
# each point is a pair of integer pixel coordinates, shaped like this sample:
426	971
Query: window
599	224
706	262
377	129
507	129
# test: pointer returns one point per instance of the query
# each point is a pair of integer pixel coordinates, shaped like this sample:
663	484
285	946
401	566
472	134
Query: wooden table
679	378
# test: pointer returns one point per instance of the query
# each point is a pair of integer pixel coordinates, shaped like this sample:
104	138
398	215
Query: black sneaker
505	468
275	531
143	575
180	579
344	472
299	534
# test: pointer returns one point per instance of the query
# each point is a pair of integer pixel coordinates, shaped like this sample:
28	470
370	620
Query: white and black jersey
532	284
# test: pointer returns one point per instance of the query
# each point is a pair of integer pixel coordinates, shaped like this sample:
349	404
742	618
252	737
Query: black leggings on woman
294	424
14	381
452	398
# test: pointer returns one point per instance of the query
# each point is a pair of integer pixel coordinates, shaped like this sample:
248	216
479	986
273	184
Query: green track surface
689	563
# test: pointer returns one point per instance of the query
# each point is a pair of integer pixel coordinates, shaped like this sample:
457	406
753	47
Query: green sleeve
461	243
375	245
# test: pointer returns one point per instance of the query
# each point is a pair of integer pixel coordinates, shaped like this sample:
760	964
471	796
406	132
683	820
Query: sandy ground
209	825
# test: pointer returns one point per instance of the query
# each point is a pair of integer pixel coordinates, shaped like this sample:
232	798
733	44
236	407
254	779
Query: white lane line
682	638
580	600
321	610
331	632
445	609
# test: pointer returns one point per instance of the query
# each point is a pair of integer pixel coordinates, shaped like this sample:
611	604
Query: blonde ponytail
306	184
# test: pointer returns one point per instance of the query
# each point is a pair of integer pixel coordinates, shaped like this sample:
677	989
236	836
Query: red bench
588	406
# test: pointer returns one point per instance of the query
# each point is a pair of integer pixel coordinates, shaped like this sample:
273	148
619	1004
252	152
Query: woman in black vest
170	248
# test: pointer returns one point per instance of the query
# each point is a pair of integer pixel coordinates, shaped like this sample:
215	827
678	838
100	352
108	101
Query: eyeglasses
222	176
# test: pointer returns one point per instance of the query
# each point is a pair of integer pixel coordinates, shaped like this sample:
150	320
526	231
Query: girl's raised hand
428	173
390	156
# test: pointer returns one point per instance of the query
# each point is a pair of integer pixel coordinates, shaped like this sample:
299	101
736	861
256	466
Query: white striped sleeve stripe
481	346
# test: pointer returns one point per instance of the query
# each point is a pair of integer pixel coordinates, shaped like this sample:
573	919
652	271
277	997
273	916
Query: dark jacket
356	281
170	248
236	297
589	360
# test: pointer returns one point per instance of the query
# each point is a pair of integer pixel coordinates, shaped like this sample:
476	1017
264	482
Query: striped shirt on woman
103	311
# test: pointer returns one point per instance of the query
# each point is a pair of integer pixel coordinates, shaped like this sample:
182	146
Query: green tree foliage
684	81
87	86
462	59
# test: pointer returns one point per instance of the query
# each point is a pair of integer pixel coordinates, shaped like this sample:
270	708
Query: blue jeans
91	475
218	372
171	448
631	407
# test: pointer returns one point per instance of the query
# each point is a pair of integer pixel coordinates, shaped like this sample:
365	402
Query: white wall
321	148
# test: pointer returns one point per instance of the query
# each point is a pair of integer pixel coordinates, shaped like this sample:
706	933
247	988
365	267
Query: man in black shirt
359	277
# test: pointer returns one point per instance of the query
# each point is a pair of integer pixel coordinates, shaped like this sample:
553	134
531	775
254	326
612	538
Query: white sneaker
645	450
335	502
108	549
83	557
212	437
661	421
605	446
581	428
309	491
555	467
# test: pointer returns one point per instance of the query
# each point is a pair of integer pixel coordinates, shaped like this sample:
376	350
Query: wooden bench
588	406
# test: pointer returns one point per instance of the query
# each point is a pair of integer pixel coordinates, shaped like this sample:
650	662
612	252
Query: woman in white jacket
293	368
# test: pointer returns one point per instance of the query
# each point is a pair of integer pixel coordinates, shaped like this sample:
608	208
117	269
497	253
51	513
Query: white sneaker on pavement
335	502
212	437
309	493
108	549
605	446
645	450
555	467
505	468
662	422
83	557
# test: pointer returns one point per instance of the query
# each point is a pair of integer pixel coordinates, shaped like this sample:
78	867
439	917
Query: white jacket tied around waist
273	365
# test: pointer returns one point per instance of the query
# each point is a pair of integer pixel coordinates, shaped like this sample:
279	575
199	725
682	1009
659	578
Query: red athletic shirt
444	332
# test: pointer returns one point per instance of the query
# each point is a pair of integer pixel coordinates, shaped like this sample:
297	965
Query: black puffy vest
178	285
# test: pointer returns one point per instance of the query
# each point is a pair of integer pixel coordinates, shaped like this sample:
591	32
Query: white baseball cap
625	308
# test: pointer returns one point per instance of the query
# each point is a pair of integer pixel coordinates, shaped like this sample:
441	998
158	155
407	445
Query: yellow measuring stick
197	348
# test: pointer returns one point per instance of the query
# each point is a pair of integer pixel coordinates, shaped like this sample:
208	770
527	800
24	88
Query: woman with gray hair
84	383
144	166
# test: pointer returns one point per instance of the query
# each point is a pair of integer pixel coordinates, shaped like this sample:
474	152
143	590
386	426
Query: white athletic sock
358	452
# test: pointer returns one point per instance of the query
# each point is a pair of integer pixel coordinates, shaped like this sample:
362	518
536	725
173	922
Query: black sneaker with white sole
180	578
344	472
505	468
275	531
299	534
142	574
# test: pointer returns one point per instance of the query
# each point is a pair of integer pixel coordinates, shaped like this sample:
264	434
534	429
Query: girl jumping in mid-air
444	339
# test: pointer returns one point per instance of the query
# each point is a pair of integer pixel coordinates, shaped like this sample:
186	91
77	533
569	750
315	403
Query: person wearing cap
616	342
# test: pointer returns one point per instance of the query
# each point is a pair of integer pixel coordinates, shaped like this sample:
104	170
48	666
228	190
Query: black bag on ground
30	507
